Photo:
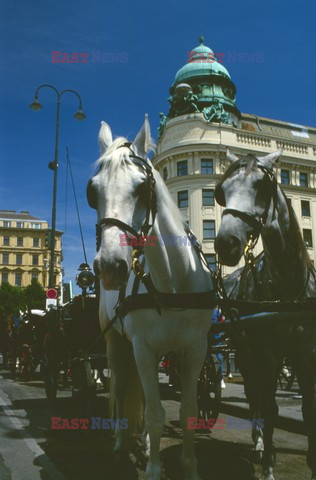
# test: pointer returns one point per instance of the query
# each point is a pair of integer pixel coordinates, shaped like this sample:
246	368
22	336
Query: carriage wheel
50	370
209	389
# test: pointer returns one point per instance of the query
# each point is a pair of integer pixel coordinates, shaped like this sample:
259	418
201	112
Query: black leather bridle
151	203
257	221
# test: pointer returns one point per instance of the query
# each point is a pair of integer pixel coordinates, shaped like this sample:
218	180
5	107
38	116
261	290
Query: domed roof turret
201	62
203	85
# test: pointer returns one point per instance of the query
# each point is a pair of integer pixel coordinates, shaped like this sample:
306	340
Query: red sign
51	293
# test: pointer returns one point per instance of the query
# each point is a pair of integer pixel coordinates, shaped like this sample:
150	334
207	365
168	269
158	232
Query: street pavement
31	450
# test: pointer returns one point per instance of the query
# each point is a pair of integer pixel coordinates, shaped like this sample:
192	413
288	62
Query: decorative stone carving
216	113
182	101
162	125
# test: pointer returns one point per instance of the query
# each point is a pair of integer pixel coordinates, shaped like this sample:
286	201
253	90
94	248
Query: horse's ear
143	141
270	159
230	156
105	137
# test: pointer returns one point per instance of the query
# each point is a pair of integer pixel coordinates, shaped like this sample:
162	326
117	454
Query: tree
35	296
12	299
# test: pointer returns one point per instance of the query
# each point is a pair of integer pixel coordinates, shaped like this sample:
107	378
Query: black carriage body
80	321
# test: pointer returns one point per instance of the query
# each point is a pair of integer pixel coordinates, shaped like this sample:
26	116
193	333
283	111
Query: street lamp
79	115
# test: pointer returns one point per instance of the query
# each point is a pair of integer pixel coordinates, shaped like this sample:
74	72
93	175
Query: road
31	450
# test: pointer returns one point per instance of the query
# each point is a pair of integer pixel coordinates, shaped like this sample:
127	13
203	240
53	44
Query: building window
18	279
183	199
6	240
19	242
285	177
208	198
5	277
307	236
18	259
19	224
208	229
36	242
6	223
5	259
165	173
34	259
206	166
182	168
35	276
211	260
305	207
303	179
37	226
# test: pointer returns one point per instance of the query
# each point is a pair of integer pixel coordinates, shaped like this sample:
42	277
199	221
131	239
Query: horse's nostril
122	267
116	268
235	242
229	249
227	243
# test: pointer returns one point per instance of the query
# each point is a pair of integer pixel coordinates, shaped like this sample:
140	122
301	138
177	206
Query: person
218	317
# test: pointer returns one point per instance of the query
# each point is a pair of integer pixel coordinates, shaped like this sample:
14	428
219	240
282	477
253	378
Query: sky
134	51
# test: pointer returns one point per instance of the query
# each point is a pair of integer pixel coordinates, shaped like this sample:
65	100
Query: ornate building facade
24	249
203	121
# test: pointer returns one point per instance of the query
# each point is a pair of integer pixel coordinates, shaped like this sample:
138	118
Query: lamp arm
46	85
72	91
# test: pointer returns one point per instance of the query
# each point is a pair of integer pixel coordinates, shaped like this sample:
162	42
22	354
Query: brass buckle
248	250
136	265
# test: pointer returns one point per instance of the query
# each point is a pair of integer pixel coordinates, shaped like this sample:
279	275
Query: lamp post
79	115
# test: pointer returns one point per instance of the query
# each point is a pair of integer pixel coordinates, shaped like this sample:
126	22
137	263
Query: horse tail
124	381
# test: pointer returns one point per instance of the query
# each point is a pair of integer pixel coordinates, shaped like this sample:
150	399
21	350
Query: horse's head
122	192
246	191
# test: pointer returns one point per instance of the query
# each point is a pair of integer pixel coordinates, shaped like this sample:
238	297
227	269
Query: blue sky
154	38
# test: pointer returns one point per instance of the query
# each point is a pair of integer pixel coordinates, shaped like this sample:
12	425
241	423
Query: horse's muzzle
112	274
229	249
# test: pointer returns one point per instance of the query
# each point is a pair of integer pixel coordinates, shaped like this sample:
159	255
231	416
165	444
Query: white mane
114	156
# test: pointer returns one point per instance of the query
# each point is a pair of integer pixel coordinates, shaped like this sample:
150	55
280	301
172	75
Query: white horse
119	192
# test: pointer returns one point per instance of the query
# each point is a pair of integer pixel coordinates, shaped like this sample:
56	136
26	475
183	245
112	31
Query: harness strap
251	218
117	223
151	208
248	217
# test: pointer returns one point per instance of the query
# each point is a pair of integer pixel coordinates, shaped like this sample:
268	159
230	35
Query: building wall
24	251
190	138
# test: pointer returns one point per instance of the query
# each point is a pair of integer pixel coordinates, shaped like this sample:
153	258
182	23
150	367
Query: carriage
24	343
74	350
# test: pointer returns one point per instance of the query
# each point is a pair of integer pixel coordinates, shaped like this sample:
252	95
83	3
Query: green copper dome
202	85
201	62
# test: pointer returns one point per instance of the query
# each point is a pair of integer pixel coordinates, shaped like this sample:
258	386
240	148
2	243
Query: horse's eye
91	195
